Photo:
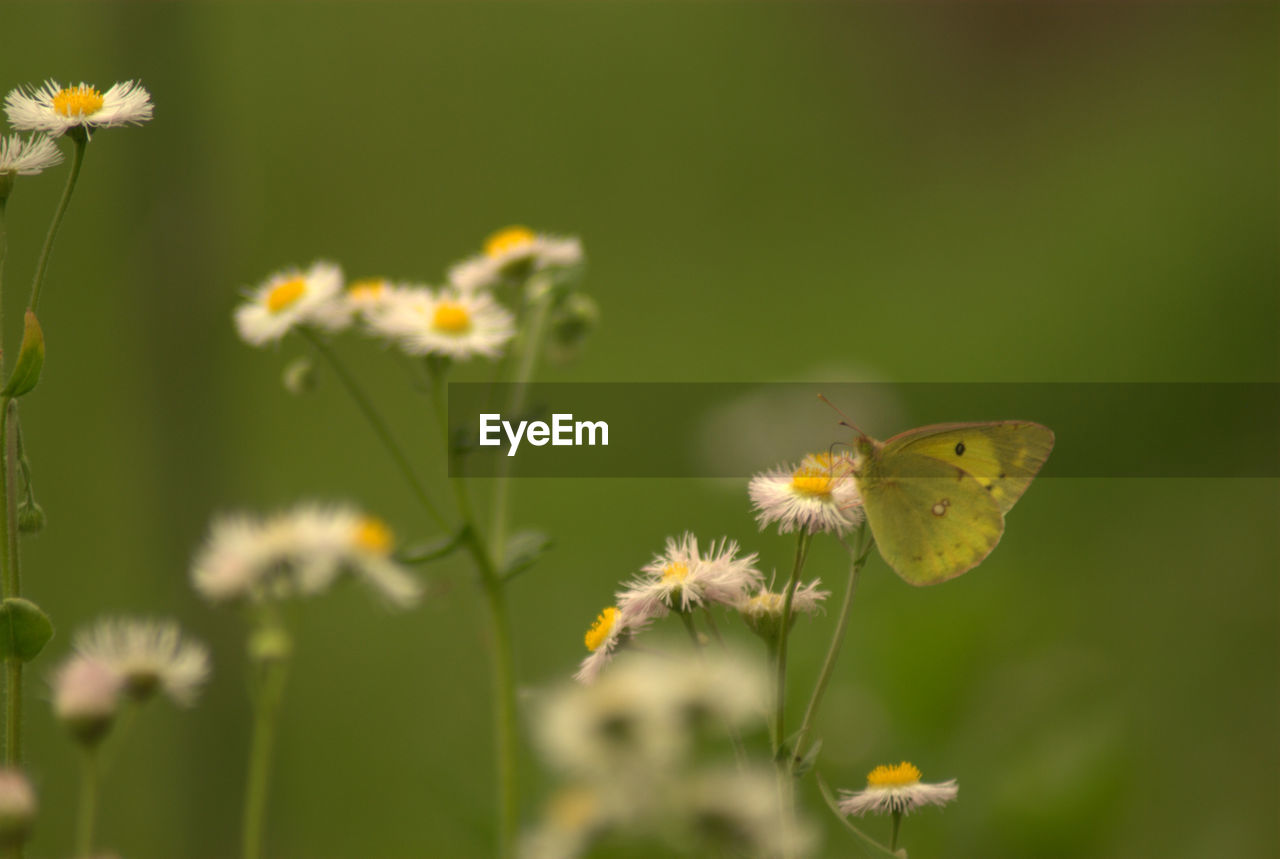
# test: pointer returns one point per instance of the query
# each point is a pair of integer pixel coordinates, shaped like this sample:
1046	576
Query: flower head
56	109
454	324
610	631
148	656
86	697
896	789
511	255
763	611
28	156
682	578
292	297
17	807
819	494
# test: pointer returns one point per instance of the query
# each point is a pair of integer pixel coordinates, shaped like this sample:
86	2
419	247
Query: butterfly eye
959	448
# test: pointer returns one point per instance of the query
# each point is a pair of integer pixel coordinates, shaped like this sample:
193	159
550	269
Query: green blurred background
766	192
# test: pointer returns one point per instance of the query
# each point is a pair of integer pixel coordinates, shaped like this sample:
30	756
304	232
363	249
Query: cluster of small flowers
135	658
53	110
459	321
299	552
628	748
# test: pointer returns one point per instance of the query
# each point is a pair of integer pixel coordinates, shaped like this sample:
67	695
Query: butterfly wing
1003	456
931	520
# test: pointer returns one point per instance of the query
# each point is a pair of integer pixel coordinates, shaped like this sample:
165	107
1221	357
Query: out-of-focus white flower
27	156
604	637
735	811
896	789
86	697
454	324
292	297
148	656
819	494
682	578
17	807
56	109
511	255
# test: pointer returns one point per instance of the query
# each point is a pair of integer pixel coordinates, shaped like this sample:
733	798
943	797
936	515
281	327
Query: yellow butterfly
935	497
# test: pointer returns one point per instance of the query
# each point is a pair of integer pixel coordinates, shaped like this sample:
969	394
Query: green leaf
524	548
24	629
26	372
805	763
432	550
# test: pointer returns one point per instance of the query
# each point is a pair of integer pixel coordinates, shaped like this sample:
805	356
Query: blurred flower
681	579
453	324
17	807
56	109
819	494
896	789
290	298
604	637
570	817
148	656
763	611
736	812
300	552
512	255
86	696
28	156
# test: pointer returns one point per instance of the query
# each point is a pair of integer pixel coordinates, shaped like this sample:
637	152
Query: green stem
10	575
711	624
81	139
856	562
779	718
897	823
687	620
529	347
866	839
379	424
4	251
266	709
88	803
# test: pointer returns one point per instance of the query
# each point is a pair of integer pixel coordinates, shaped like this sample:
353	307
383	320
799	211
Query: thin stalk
856	563
88	803
897	823
687	620
866	839
530	346
4	251
11	576
266	709
379	424
711	624
780	707
81	139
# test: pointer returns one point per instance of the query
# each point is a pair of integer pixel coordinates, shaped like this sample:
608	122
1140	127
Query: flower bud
31	519
86	696
17	808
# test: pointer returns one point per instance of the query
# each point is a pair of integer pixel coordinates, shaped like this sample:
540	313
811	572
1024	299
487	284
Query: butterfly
935	497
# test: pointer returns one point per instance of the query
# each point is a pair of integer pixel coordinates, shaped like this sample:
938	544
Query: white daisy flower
324	541
898	790
605	636
290	298
149	656
449	323
682	579
511	255
820	494
56	109
86	697
368	294
28	156
236	558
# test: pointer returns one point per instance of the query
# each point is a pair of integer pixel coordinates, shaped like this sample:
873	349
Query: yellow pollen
676	572
77	101
452	317
374	536
811	481
899	775
364	290
766	602
512	238
284	294
600	630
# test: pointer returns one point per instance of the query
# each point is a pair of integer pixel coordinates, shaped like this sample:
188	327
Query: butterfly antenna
846	422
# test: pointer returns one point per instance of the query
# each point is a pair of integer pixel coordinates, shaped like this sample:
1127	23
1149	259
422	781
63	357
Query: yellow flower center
899	775
765	602
77	101
676	572
572	809
600	630
510	239
284	294
811	481
373	536
367	290
452	317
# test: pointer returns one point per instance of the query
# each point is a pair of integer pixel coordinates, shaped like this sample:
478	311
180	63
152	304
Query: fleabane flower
368	294
86	697
450	323
511	255
763	610
293	297
149	656
610	631
898	790
28	156
55	109
683	578
819	494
